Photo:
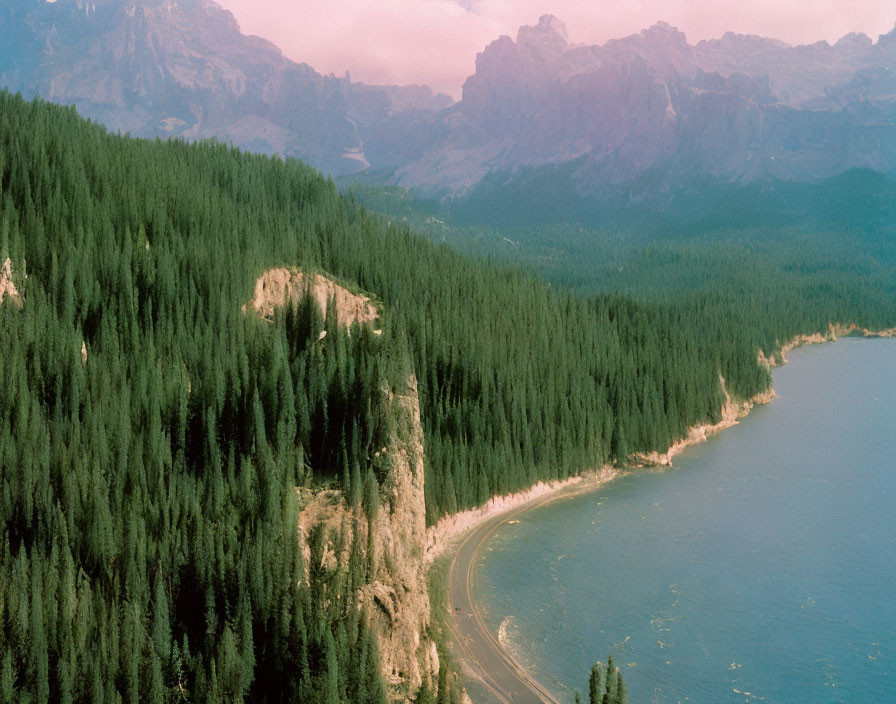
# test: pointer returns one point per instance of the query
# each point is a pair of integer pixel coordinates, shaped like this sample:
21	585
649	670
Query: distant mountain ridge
182	68
738	108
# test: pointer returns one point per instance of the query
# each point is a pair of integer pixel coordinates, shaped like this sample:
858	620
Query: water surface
761	568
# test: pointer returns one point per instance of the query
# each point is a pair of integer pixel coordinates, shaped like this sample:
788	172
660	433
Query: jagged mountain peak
549	30
664	32
854	40
888	39
741	106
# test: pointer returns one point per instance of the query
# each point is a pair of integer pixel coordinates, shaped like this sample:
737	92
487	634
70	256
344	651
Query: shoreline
441	536
451	532
449	528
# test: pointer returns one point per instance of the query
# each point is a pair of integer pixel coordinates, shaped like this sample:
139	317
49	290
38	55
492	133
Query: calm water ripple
760	568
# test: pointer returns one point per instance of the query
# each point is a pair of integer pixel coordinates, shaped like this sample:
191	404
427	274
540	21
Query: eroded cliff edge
394	594
392	543
388	567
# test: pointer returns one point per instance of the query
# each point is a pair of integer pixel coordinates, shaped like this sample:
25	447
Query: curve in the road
479	649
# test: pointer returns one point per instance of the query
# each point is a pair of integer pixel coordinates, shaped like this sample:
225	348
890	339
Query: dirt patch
7	287
277	286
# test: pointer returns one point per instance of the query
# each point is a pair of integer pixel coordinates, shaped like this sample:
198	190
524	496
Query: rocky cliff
394	594
738	108
395	597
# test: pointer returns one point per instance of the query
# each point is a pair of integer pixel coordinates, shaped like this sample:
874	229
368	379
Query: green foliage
606	686
147	508
148	545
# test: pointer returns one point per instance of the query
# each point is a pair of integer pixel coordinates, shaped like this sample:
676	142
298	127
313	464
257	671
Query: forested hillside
152	433
751	265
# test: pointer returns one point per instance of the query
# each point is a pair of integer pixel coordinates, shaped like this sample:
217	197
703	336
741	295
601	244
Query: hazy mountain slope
154	67
739	108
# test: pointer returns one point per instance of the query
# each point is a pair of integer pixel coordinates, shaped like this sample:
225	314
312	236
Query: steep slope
387	547
381	542
153	433
741	108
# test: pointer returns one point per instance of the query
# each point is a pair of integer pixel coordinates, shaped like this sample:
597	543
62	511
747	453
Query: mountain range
183	69
738	109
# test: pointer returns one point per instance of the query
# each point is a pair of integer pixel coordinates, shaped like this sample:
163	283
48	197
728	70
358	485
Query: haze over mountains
739	108
161	68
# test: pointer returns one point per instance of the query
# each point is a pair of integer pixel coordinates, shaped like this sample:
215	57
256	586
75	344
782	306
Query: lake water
762	567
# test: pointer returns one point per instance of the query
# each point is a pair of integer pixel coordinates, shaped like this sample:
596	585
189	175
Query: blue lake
762	567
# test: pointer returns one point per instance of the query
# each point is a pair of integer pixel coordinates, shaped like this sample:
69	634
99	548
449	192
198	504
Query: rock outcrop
276	287
7	286
395	599
399	588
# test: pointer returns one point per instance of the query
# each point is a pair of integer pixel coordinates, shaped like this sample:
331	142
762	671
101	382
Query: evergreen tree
147	496
595	685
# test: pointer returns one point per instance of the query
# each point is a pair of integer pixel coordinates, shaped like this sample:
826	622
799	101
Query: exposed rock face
278	286
396	599
7	287
740	107
399	589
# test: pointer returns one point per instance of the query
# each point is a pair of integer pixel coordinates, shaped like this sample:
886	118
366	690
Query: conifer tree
595	685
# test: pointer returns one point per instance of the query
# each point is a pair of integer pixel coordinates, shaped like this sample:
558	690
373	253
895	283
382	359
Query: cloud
436	41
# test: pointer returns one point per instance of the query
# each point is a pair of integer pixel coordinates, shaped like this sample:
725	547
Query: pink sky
436	41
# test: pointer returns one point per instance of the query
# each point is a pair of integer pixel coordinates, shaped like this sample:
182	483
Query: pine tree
330	686
621	690
611	682
595	685
371	496
39	655
355	493
443	695
7	678
161	629
156	684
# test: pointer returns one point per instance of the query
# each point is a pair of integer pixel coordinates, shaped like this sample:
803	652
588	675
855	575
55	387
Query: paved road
478	648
